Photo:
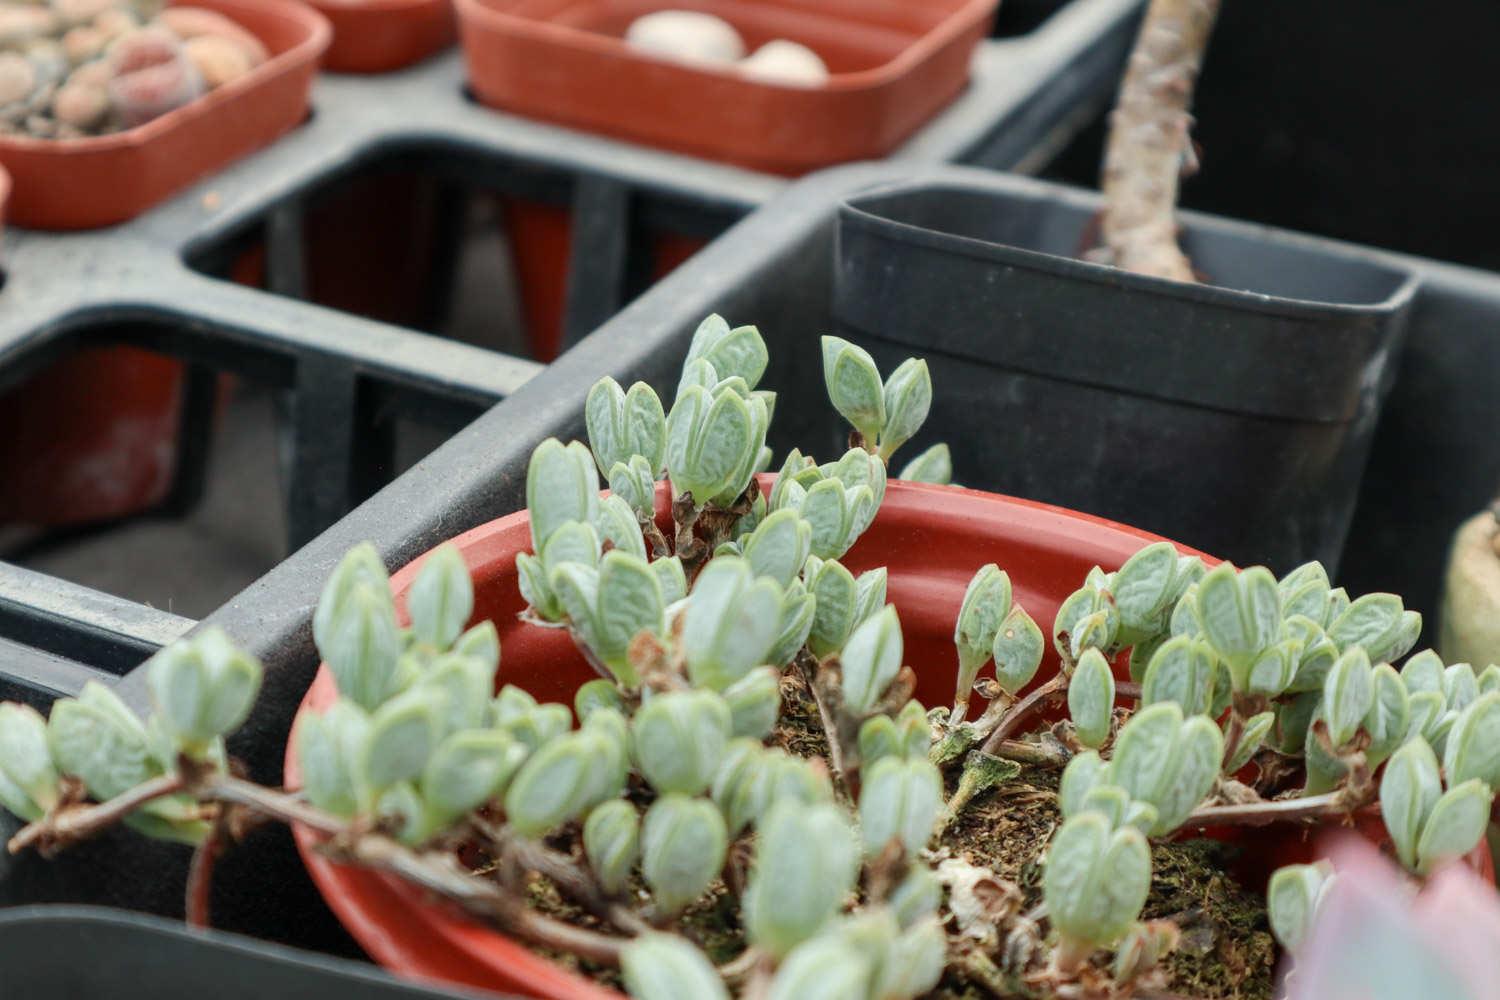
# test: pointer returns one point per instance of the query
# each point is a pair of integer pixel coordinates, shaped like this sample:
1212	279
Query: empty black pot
1235	415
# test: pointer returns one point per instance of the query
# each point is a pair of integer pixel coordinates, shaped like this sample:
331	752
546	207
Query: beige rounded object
786	63
686	36
17	78
193	22
20	23
116	22
1470	630
219	60
83	44
91	74
80	105
80	11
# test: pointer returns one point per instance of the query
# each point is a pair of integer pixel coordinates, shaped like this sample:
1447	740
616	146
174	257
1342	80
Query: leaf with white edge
624	424
1144	747
1292	901
562	485
1473	746
1319	654
441	597
92	740
871	659
1389	715
1095	881
986	602
826	968
914	962
554	785
26	760
612	843
1489	679
619	528
532	579
1196	760
1456	824
466	684
806	860
1293	718
403	734
360	565
798	610
740	351
1372	622
1257	727
577	588
1348	694
720	442
660	966
468	769
1424	672
1427	711
870	587
779	546
363	647
935	465
854	386
732	621
754	703
1109	801
826	510
1460	686
630	602
1082	774
679	740
1409	789
327	747
899	799
878	738
1142	588
908	398
1091	699
1182	670
683	842
1017	651
837	595
594	695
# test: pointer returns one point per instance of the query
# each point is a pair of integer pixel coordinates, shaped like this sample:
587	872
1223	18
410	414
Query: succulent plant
662	782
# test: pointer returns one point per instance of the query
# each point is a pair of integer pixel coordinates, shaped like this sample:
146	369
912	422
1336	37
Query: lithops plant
76	68
669	788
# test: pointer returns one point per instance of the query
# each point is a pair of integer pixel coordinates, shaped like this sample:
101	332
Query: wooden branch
1148	139
1022	710
73	823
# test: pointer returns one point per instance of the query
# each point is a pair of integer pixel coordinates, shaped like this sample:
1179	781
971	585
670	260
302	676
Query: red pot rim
961	21
317	34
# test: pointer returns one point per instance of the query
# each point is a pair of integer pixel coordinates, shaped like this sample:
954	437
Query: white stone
686	36
786	63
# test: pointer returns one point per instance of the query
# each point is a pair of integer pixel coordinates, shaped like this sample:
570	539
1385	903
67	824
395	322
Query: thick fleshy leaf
806	860
679	740
1143	589
1473	746
1292	901
403	734
625	424
854	386
660	966
740	351
837	595
798	609
1409	789
1017	650
683	842
441	597
1423	672
1257	727
554	785
1389	715
26	760
1182	670
1348	695
363	646
754	703
935	465
612	843
1091	699
1456	824
1373	622
1082	774
96	738
899	799
468	769
871	659
986	602
908	398
1092	878
779	546
731	623
328	746
1460	686
562	485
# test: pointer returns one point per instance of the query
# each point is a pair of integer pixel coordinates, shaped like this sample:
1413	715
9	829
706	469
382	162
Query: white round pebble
687	36
786	62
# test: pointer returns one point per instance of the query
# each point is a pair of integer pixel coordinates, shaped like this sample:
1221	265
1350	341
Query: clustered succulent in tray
76	68
747	799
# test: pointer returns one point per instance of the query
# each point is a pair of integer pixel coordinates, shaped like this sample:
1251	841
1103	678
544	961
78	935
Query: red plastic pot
377	36
931	538
103	180
893	64
541	239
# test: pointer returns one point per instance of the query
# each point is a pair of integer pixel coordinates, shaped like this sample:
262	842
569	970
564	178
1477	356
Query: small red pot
893	65
103	180
541	240
377	36
931	538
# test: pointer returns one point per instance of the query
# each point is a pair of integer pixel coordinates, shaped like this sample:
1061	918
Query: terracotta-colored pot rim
373	6
317	35
947	31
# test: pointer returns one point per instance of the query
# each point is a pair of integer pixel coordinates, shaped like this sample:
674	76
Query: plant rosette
753	795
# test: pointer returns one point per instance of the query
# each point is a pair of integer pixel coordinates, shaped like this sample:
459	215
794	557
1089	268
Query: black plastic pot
1236	420
77	952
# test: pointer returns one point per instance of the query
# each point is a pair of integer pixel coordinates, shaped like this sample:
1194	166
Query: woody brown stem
80	822
1313	807
1148	139
1023	709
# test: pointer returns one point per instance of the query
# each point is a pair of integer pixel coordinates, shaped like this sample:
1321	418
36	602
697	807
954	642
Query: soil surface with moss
1225	951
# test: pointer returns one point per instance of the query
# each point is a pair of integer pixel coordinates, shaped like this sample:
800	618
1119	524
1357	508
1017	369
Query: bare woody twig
80	822
1148	139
